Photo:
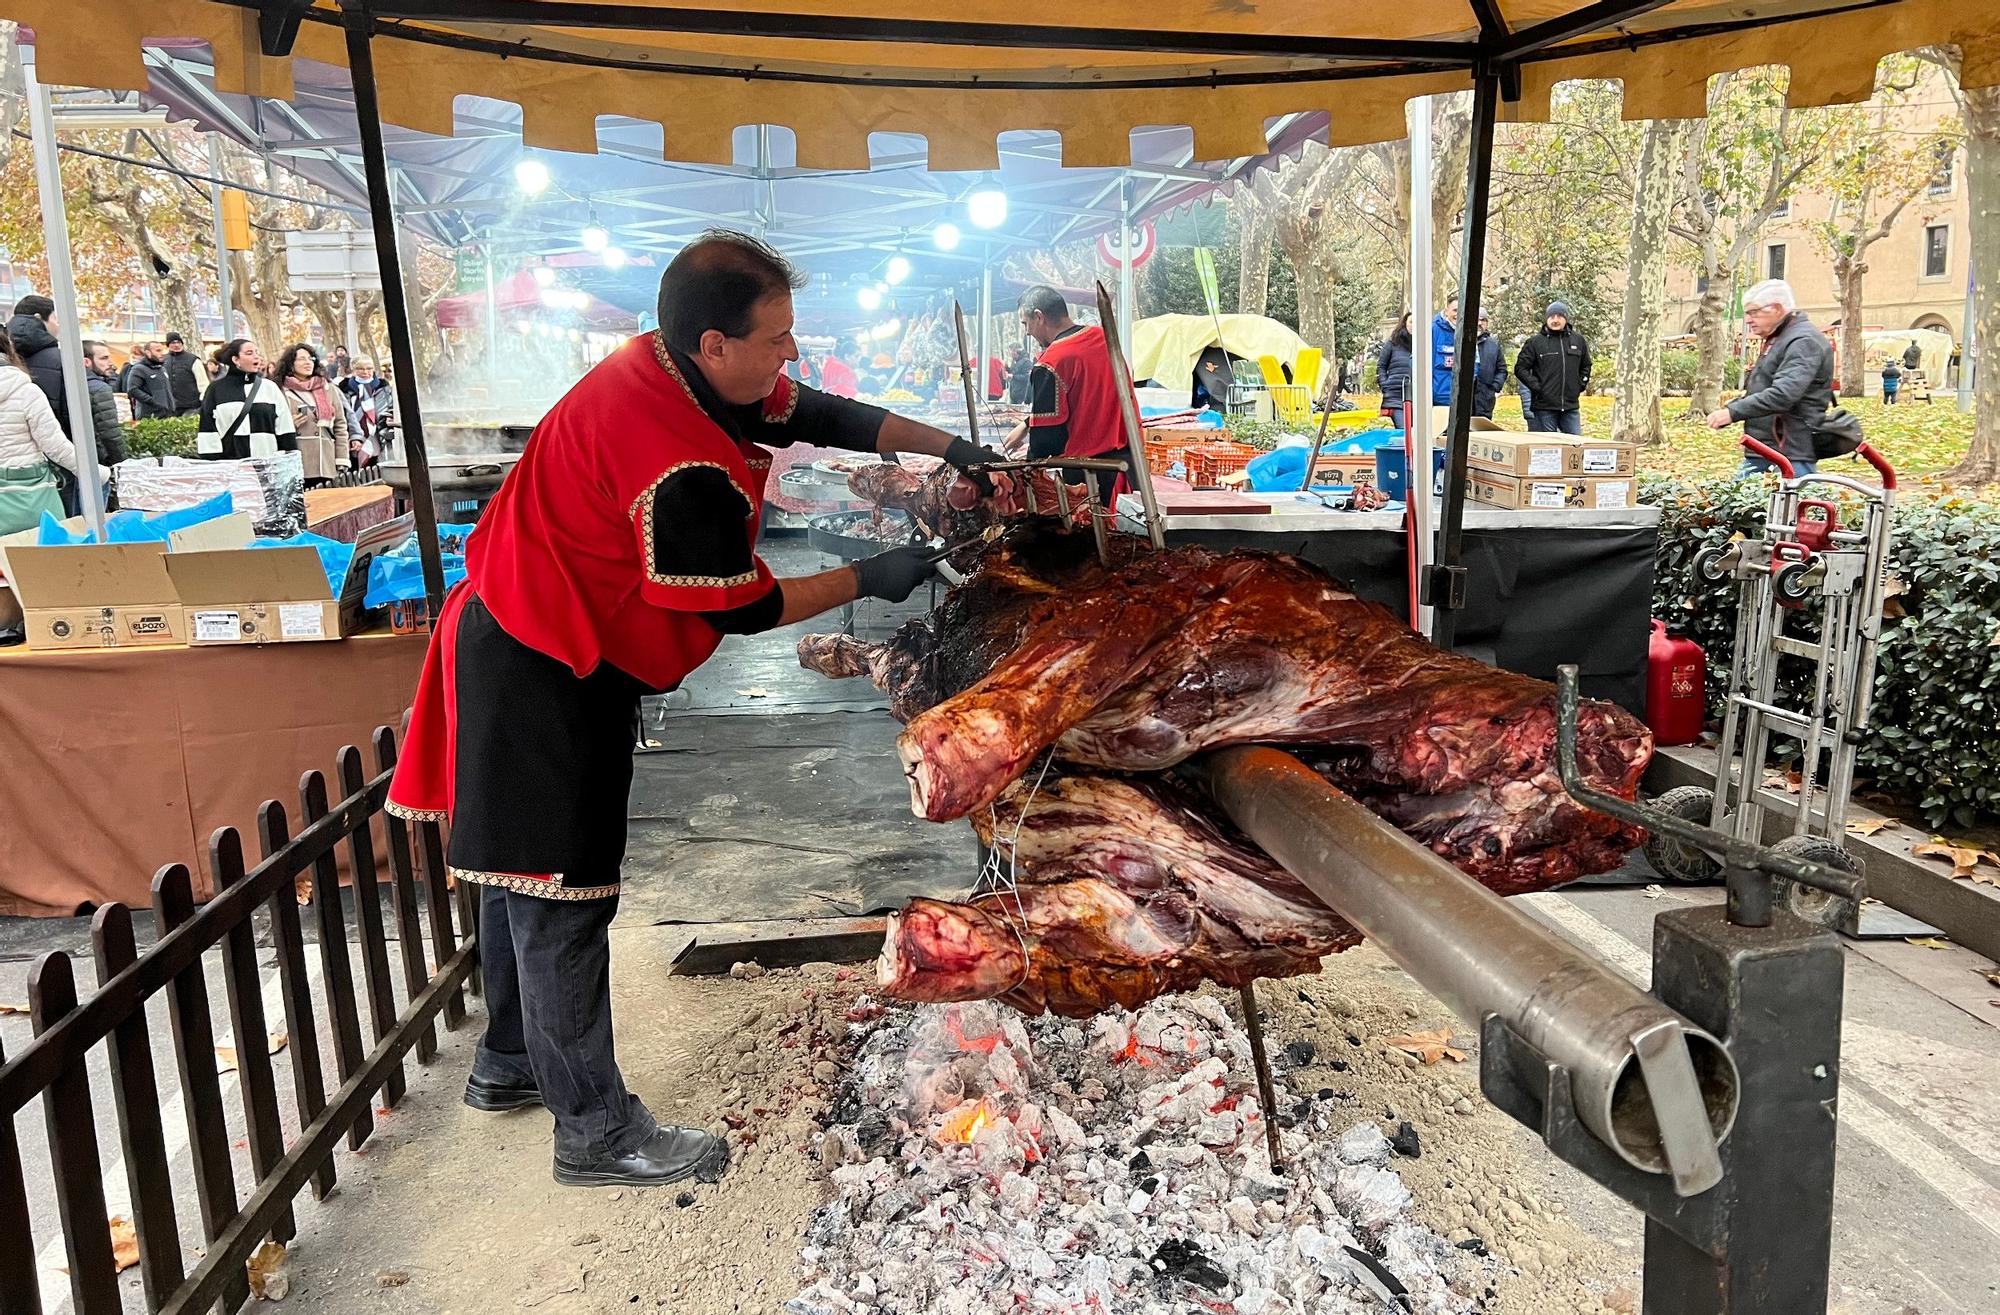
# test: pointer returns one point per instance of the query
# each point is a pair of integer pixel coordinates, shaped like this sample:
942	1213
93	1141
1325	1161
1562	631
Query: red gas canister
1676	674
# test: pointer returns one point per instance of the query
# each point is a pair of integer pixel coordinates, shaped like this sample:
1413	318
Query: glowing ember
965	1125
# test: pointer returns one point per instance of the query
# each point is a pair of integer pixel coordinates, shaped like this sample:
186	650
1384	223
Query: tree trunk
1253	268
1635	410
1711	331
1982	179
1848	271
1315	263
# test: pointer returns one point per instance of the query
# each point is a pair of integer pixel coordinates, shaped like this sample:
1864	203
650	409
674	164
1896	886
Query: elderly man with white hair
1790	387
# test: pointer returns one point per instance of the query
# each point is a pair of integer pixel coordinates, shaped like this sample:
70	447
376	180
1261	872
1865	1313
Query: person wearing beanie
1554	368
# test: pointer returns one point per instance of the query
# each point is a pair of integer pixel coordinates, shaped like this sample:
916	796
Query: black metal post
1444	587
382	210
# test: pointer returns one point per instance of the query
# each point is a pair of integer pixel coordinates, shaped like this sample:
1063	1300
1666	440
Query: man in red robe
1073	406
620	550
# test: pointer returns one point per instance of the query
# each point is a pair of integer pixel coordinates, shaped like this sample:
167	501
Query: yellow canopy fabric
915	72
1166	347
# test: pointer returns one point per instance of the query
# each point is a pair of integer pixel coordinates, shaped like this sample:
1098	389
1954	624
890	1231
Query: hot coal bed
987	1162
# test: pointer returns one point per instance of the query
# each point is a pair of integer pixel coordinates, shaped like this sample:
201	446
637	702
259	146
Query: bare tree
1635	408
1979	110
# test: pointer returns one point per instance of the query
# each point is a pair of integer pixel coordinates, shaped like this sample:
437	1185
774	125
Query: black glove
964	453
894	575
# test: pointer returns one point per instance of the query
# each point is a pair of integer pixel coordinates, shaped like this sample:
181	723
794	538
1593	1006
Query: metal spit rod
965	359
1657	1090
1135	434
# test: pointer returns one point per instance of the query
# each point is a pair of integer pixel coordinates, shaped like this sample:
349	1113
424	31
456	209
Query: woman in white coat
32	448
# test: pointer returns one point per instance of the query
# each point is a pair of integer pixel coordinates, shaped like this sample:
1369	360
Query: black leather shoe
495	1096
668	1156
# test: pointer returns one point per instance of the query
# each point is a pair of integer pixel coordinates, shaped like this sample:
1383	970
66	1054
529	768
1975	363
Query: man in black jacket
101	379
147	384
1790	387
185	376
33	331
1555	366
1489	373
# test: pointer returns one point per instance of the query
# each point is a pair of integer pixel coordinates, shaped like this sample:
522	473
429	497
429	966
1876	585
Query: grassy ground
1918	439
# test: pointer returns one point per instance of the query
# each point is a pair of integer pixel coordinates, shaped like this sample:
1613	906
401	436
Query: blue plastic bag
394	578
1277	471
136	526
334	556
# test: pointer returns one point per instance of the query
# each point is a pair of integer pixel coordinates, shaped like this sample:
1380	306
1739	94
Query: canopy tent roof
841	226
835	71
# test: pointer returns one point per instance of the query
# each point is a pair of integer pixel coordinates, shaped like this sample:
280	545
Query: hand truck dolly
1804	564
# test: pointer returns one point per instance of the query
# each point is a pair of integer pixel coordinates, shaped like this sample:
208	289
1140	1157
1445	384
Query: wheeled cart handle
1774	456
1881	464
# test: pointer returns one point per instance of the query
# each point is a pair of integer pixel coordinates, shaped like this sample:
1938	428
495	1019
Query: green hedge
1934	737
169	437
1678	365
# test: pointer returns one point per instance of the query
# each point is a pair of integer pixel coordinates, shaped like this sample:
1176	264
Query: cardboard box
1599	457
1561	493
275	595
1519	455
1350	468
97	596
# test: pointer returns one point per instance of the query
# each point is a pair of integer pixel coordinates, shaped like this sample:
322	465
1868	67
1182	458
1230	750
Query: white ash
1115	1166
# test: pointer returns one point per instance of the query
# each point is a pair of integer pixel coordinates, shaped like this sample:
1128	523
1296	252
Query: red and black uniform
1073	403
618	552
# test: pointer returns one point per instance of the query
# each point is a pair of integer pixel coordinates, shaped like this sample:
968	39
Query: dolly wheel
1828	910
1790	584
1677	860
1708	564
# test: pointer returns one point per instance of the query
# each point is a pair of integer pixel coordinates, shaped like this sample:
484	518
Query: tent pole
1417	479
1444	586
62	291
985	371
225	293
388	257
1127	293
492	328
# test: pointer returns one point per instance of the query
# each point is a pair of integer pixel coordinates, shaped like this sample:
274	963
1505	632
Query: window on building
1701	283
1783	210
1937	250
1774	261
1947	170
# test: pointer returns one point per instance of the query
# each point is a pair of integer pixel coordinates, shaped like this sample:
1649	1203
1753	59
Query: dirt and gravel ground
452	1211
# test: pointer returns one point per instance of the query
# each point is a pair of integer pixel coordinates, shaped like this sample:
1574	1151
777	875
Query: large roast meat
1135	667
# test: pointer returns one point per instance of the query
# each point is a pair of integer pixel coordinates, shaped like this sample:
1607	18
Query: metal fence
53	1066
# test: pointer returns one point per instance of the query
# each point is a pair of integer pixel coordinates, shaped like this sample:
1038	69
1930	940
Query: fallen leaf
1995	641
1991	974
302	888
1928	942
124	1243
266	1267
6	1009
1428	1046
225	1059
1963	858
278	1041
1893	588
1654	892
1868	826
755	692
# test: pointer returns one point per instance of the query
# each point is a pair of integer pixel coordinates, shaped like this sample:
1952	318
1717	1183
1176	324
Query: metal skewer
1325	414
965	360
1253	1027
1128	408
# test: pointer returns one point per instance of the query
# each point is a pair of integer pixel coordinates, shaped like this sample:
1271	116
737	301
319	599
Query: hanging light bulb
945	237
869	299
897	270
987	207
615	258
532	177
544	277
596	237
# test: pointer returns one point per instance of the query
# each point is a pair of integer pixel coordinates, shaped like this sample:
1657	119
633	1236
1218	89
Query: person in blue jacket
1444	351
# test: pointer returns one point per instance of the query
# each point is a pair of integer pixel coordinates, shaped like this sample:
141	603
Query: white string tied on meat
1001	882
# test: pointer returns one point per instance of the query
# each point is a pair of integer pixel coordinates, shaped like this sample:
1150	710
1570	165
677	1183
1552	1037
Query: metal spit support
1656	1090
1135	435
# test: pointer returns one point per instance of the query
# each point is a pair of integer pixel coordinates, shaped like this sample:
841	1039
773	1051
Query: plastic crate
1207	463
1163	457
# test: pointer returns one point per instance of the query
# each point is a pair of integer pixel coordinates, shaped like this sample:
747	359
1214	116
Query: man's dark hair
1047	300
35	304
90	346
716	282
173	338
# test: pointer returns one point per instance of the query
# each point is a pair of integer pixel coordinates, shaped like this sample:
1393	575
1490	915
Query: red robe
1073	387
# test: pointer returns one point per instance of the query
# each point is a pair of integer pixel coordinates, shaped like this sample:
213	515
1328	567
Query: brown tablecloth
114	762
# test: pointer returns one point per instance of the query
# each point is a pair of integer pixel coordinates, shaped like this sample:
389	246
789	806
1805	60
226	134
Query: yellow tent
1166	347
837	70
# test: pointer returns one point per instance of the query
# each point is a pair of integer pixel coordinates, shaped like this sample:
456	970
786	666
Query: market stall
119	760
